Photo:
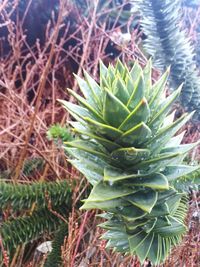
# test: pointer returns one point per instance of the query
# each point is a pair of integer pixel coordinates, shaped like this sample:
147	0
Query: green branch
169	46
19	197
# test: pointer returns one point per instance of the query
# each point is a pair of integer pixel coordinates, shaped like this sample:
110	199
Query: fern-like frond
19	197
54	258
168	45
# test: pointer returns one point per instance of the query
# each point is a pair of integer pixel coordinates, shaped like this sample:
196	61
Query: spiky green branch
169	46
54	258
25	229
19	197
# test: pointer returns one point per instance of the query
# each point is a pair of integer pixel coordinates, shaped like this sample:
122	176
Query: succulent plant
128	152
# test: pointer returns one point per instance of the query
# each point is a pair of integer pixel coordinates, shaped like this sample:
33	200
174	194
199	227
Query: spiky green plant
54	258
24	229
169	45
35	210
128	152
20	197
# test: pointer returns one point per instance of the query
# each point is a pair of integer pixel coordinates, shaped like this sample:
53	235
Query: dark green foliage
31	165
169	46
19	197
33	204
54	258
109	9
28	228
117	7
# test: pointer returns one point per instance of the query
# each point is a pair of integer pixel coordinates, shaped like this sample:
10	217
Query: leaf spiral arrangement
168	45
128	152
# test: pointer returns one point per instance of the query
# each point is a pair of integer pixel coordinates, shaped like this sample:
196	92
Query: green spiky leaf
132	159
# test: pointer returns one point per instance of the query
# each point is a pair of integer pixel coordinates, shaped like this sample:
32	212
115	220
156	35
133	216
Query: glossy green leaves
128	152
